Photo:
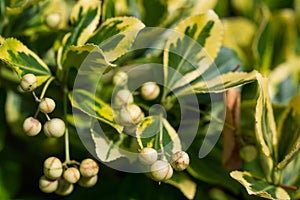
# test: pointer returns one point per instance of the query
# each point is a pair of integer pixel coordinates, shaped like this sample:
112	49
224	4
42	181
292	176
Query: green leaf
191	48
259	187
94	107
184	183
151	18
156	132
289	133
210	169
224	82
116	35
23	60
265	127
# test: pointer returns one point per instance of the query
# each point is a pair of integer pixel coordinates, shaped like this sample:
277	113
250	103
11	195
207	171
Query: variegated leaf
222	83
156	132
85	17
116	35
106	147
259	187
265	127
94	107
16	55
289	133
191	48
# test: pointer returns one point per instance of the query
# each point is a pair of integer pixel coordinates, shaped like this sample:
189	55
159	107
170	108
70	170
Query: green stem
46	86
161	137
67	143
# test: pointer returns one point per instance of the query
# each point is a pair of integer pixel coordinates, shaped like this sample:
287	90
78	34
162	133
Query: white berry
148	156
46	185
161	170
64	188
130	115
88	168
32	126
54	128
123	97
180	160
53	168
120	78
52	20
88	181
72	175
28	82
150	91
47	105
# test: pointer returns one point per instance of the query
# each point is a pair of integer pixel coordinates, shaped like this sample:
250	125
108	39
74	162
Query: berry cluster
60	177
162	170
54	127
130	114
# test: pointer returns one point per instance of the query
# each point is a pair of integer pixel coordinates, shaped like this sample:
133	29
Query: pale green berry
88	168
72	175
130	115
161	170
29	82
47	105
148	156
120	78
88	181
248	153
54	128
48	186
123	97
32	126
180	160
150	91
64	187
53	168
53	20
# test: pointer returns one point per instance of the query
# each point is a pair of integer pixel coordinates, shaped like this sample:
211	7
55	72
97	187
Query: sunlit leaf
116	35
259	187
23	60
191	48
